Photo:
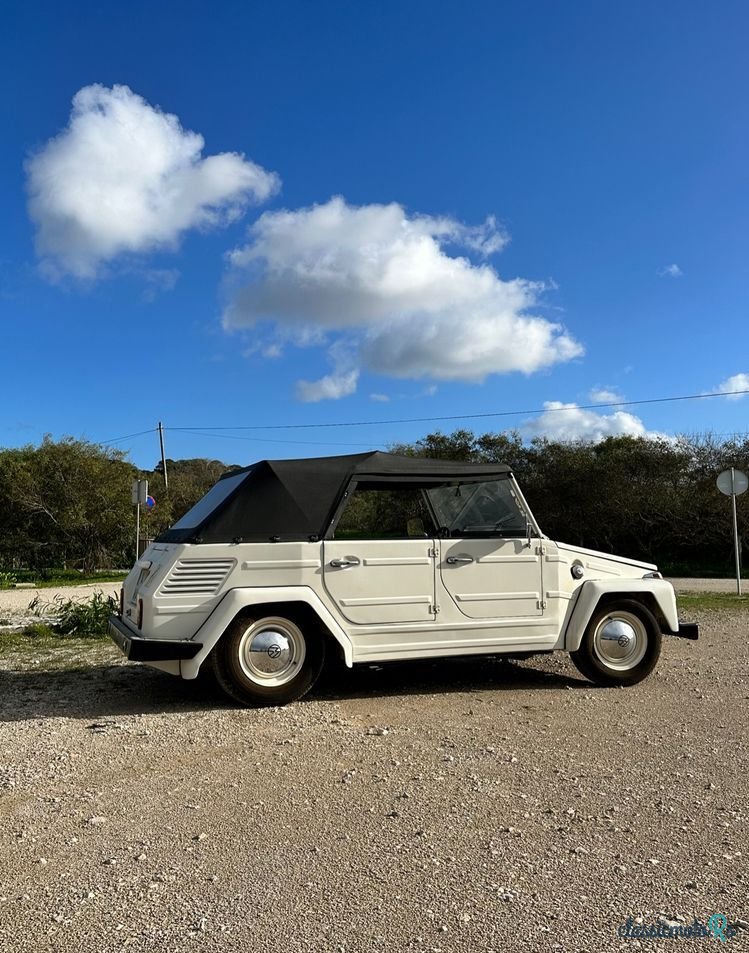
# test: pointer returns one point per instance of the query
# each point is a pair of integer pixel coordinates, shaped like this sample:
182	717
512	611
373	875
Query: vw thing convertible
379	557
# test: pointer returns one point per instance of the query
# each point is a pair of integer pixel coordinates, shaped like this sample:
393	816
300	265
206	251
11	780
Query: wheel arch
297	603
657	595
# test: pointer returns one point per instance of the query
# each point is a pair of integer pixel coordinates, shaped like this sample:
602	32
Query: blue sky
536	203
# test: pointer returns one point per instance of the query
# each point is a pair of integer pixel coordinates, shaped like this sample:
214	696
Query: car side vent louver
197	577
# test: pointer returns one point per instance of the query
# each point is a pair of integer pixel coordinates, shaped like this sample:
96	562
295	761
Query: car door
379	567
380	581
489	563
492	578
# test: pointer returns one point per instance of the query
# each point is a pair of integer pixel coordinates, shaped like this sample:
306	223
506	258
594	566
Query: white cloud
381	281
569	422
125	177
602	395
670	271
380	398
331	387
734	383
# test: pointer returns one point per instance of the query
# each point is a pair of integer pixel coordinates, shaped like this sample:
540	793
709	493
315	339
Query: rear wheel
621	644
268	660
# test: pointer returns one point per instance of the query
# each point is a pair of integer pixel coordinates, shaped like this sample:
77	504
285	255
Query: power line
498	413
230	436
127	436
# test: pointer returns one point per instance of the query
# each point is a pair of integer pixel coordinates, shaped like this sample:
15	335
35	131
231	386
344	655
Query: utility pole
163	457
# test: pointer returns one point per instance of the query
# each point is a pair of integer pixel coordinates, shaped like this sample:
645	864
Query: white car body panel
383	608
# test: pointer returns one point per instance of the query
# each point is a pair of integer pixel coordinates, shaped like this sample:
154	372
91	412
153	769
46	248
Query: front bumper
688	630
138	649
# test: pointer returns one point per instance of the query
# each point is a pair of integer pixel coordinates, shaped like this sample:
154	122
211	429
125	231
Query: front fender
592	591
238	599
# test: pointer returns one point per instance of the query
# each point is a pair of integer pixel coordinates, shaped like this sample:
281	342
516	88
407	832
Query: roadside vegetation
66	625
67	503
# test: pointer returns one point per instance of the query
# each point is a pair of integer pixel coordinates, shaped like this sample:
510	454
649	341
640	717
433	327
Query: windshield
207	504
478	509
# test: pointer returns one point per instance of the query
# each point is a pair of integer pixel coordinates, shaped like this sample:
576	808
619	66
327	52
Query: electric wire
308	443
127	436
497	413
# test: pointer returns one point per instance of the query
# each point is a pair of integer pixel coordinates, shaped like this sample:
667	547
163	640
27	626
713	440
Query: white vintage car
379	557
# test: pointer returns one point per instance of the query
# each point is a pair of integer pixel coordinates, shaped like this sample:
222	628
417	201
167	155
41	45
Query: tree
65	503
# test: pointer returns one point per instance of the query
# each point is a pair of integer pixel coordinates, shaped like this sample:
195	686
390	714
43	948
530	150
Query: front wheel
267	661
620	646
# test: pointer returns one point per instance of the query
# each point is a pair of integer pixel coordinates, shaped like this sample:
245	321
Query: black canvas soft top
296	499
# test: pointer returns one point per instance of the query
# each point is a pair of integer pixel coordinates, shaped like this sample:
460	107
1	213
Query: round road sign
733	482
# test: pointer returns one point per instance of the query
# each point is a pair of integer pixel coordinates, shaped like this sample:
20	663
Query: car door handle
454	560
342	563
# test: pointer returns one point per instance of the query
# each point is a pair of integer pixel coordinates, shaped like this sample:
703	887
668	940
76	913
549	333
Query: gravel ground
444	806
708	585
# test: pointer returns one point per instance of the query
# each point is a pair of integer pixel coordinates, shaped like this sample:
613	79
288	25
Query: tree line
66	503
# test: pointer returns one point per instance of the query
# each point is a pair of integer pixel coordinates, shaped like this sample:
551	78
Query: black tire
638	647
268	660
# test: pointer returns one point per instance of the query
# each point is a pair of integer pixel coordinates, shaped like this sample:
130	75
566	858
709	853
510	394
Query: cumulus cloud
670	271
603	395
331	387
384	282
569	422
380	398
734	383
125	177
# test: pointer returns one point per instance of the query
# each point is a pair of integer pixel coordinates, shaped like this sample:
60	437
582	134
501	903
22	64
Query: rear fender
237	600
656	594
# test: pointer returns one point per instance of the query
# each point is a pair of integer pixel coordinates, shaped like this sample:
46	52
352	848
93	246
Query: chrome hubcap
271	651
620	641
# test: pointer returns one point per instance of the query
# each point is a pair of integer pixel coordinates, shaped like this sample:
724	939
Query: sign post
139	496
733	483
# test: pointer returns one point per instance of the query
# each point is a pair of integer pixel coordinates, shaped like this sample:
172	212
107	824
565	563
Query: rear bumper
138	649
688	630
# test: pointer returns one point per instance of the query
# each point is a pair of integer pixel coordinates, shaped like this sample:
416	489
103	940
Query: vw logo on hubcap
274	651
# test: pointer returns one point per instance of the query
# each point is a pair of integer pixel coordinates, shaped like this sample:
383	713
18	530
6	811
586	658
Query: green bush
82	619
38	630
7	580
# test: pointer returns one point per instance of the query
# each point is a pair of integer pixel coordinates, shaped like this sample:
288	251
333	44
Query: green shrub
38	630
7	580
80	618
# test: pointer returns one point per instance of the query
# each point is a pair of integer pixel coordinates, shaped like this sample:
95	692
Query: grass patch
711	600
49	652
38	630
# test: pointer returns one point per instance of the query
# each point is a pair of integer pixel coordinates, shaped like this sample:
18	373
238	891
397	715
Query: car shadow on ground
106	690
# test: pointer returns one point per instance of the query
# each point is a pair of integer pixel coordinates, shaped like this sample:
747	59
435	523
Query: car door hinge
541	604
432	552
434	609
540	550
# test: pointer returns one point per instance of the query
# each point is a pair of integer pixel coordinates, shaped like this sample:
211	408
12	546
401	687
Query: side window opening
382	511
478	509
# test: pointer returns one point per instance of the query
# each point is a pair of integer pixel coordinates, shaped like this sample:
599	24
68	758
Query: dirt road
451	806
